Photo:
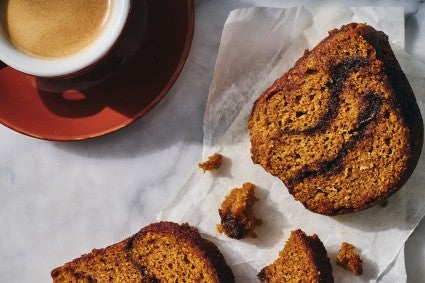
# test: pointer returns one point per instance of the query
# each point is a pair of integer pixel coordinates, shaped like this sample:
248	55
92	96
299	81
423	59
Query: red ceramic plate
108	97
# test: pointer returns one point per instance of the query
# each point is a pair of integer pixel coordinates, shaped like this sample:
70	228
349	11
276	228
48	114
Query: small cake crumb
349	259
236	213
213	162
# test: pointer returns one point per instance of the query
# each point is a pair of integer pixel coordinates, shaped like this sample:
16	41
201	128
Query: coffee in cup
53	38
53	28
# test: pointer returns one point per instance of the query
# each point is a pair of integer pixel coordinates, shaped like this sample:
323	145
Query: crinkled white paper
258	45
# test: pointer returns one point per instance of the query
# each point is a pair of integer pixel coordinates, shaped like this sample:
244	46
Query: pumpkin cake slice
160	252
342	128
303	259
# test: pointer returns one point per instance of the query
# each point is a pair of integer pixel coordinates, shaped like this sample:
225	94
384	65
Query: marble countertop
59	200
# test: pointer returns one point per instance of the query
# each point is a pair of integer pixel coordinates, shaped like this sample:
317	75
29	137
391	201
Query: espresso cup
59	38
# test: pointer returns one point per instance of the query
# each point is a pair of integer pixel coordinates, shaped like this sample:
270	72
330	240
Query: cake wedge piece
303	259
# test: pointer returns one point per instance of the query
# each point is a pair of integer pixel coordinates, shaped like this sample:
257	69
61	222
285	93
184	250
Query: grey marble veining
59	200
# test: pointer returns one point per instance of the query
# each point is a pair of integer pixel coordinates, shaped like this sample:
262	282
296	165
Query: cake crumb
237	213
214	162
349	259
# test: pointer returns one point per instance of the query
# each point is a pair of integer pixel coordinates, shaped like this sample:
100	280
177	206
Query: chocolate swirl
339	75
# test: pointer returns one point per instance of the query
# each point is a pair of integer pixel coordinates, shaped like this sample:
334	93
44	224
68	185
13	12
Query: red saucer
75	112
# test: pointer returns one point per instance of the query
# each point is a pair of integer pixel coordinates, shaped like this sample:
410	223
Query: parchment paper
258	45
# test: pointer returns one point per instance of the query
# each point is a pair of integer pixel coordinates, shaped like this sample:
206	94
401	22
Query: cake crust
341	128
142	257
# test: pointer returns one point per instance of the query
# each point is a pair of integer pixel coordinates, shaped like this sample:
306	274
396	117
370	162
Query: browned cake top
341	128
160	252
303	259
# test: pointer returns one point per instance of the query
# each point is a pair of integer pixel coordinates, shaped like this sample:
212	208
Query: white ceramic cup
73	64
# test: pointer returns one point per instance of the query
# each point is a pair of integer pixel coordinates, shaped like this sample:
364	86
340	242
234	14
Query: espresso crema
53	28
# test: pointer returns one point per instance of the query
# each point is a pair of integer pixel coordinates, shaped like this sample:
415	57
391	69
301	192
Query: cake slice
160	252
342	128
237	213
303	259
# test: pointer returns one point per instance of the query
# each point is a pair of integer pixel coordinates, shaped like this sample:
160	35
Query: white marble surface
59	200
